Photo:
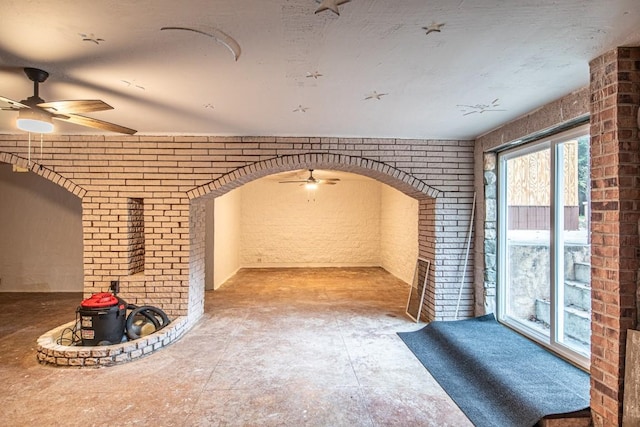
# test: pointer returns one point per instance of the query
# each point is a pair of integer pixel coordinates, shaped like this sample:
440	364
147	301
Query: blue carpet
495	375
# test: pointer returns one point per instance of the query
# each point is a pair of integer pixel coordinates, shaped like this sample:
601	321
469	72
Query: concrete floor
290	347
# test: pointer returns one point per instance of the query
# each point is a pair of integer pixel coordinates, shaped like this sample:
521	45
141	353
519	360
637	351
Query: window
544	249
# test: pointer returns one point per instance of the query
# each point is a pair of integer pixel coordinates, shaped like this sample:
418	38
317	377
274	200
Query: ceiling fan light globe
34	121
311	185
35	125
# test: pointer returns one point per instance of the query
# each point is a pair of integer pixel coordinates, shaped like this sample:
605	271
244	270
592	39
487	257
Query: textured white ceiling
510	56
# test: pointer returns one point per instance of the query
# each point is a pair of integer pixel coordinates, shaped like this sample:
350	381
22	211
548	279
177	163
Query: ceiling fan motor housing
36	75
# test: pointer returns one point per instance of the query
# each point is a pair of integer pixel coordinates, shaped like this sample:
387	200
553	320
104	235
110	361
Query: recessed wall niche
136	235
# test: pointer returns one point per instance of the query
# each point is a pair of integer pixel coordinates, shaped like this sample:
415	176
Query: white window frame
552	342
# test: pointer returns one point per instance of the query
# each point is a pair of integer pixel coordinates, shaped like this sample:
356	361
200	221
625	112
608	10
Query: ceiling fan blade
296	174
76	106
324	181
13	105
95	123
304	181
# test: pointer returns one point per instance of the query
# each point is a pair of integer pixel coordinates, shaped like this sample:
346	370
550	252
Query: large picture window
544	288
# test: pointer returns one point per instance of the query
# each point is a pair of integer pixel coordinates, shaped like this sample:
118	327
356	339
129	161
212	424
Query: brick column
615	212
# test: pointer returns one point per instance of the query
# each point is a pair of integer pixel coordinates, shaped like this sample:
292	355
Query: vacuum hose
142	316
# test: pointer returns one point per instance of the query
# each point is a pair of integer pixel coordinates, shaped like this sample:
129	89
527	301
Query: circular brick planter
51	353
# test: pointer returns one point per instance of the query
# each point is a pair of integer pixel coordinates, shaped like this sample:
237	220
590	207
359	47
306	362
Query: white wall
209	244
398	233
285	225
41	235
226	236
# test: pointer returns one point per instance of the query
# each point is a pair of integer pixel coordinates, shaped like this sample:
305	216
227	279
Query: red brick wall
615	203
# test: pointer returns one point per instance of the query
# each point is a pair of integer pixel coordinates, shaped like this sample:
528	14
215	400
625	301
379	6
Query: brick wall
398	233
172	176
615	204
290	226
427	249
196	261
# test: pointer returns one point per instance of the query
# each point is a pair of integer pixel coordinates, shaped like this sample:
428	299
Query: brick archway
442	214
44	172
380	171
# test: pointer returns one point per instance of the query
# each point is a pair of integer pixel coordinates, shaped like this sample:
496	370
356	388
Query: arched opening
273	222
434	243
42	237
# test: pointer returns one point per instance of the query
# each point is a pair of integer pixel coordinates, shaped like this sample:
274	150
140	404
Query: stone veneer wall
174	175
487	293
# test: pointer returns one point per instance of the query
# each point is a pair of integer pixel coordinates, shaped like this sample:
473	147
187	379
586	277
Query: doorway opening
42	240
274	223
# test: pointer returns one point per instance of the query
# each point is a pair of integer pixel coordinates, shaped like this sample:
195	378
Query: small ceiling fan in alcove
312	182
35	115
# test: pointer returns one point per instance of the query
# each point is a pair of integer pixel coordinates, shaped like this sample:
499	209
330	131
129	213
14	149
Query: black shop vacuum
103	317
103	320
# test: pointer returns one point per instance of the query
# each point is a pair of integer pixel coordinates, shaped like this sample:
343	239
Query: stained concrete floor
289	347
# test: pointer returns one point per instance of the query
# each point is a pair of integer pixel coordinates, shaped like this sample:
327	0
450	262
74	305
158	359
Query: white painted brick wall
196	261
285	225
227	217
170	172
398	233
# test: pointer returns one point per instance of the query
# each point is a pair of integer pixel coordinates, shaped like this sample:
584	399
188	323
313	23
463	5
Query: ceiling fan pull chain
29	156
40	150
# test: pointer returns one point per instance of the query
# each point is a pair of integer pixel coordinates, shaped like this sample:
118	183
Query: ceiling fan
312	182
35	115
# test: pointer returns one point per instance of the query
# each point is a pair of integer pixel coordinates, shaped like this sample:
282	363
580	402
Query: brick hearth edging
51	353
